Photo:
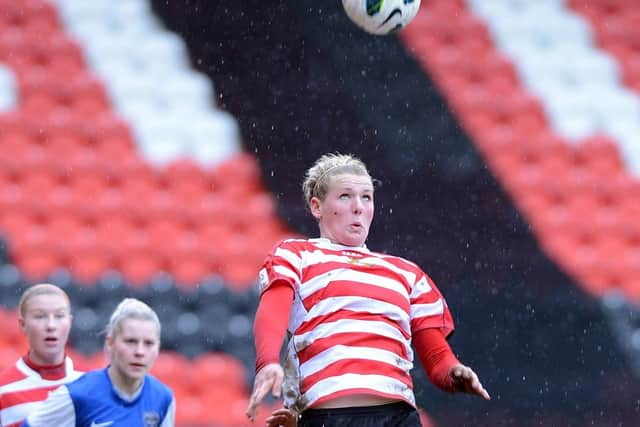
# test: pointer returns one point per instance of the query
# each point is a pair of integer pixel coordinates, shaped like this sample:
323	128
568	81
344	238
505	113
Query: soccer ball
381	17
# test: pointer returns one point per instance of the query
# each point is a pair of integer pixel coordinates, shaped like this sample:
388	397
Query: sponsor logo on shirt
102	424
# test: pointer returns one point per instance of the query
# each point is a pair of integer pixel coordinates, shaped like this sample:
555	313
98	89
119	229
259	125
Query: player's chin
355	237
138	371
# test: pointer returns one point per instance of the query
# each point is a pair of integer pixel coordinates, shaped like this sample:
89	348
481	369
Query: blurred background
157	148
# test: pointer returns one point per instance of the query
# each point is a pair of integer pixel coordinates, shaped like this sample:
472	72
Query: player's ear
315	207
108	343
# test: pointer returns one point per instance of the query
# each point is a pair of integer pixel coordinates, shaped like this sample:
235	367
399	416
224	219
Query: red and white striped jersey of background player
24	385
352	320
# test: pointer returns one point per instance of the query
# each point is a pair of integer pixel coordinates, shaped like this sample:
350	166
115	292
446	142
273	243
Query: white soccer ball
381	17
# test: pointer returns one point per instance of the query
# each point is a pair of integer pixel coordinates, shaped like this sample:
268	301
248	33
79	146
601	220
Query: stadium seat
242	170
37	263
219	368
9	355
191	87
140	267
86	362
192	409
171	367
88	97
114	141
66	57
89	265
600	155
114	232
8	89
191	261
88	185
187	183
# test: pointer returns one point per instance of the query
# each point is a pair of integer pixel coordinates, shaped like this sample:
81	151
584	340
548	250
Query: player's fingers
478	389
251	409
274	421
259	392
473	385
277	386
485	394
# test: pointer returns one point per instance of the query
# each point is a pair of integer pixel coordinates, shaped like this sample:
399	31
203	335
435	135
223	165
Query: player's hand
268	379
466	381
282	417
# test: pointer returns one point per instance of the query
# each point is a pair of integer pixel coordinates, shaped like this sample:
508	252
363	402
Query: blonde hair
130	308
40	289
316	181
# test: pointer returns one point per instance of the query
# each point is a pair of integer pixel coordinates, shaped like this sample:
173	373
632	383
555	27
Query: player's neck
126	387
48	369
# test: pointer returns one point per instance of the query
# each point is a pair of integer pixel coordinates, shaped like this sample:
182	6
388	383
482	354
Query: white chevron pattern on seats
578	83
148	75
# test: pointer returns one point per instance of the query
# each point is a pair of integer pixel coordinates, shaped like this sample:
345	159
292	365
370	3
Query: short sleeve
428	307
57	410
170	416
282	264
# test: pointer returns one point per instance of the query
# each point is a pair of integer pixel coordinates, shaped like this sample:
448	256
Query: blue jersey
93	401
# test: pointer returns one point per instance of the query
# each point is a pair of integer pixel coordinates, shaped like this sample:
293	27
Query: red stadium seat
113	231
209	369
238	176
189	259
86	363
87	95
87	258
193	411
16	49
13	199
9	355
600	155
37	264
88	185
139	267
66	57
114	140
172	367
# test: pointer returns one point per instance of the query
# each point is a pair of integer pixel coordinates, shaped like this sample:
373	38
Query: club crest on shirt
151	419
355	258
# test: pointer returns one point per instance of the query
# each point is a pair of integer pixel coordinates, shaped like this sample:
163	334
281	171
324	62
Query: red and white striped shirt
24	385
352	319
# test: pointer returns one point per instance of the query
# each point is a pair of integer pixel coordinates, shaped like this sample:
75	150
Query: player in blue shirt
123	394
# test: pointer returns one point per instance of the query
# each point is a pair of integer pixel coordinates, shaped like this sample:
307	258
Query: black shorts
398	414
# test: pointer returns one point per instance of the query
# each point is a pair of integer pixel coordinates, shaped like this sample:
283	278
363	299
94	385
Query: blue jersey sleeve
170	417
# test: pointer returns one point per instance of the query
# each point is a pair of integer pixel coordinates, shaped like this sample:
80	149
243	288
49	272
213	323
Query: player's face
133	348
46	324
345	215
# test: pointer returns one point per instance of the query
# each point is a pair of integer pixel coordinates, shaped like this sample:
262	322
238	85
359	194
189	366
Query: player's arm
442	367
170	416
270	327
57	410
